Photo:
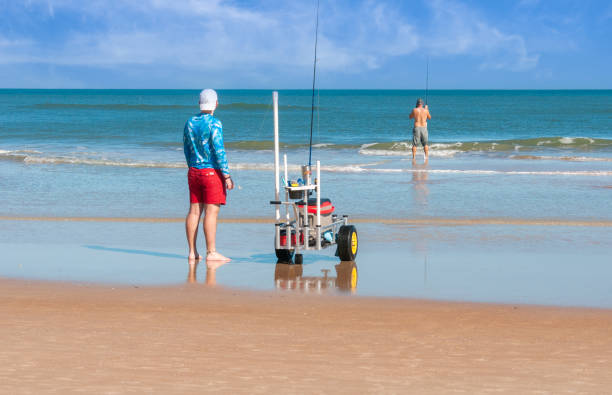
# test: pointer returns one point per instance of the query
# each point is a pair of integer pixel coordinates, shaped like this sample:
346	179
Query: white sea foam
351	168
446	145
365	168
584	159
566	140
492	172
380	162
563	158
383	152
19	152
62	160
12	155
402	145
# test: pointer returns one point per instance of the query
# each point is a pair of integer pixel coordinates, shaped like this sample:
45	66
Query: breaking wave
36	157
517	145
563	158
439	149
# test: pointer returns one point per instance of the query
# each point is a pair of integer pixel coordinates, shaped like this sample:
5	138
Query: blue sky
547	44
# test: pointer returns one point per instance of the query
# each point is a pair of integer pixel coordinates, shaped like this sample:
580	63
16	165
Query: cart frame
294	222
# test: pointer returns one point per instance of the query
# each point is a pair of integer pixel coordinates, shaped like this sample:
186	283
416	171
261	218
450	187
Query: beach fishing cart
305	222
289	277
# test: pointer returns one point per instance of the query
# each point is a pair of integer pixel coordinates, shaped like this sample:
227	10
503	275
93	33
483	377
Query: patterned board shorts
419	135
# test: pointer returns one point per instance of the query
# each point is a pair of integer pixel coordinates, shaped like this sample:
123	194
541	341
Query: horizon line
310	89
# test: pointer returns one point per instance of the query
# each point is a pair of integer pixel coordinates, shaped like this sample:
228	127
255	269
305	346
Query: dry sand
192	339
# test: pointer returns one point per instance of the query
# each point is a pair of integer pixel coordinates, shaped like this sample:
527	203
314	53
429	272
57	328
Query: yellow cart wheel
348	243
346	276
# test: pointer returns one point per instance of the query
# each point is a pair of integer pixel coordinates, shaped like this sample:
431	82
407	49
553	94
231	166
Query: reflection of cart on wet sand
309	223
288	276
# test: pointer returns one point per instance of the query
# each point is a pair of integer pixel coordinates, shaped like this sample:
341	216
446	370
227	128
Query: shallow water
493	153
412	192
550	265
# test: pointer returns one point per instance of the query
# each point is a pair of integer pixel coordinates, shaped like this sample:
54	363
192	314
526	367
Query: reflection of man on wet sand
419	180
211	270
420	114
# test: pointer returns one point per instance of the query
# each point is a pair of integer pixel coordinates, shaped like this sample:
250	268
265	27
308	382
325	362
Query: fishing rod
314	77
427	81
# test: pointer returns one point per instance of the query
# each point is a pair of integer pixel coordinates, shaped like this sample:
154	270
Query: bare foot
214	265
215	256
195	256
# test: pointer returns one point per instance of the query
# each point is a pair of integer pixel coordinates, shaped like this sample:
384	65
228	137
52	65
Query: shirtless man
420	115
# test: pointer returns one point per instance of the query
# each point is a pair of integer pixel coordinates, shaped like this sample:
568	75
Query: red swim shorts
206	186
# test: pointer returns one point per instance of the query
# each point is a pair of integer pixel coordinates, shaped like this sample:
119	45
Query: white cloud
6	43
51	9
457	30
15	50
214	34
217	35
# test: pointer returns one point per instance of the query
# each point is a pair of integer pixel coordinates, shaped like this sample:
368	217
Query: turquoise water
494	154
544	154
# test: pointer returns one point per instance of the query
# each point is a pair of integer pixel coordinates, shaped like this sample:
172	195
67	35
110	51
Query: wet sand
59	337
541	265
388	221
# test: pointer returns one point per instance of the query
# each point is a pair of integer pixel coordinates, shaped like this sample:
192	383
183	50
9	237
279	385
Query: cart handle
279	202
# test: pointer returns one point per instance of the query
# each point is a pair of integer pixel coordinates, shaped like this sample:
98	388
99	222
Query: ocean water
118	153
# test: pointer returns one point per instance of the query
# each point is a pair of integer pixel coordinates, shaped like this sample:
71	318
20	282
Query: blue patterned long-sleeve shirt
203	143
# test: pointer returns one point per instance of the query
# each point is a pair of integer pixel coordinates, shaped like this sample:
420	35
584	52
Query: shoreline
192	338
196	282
387	221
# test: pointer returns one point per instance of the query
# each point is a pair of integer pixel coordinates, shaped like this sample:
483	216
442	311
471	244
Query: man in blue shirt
208	175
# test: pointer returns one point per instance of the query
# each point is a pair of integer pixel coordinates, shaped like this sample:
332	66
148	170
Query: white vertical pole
286	169
318	193
276	154
318	205
286	179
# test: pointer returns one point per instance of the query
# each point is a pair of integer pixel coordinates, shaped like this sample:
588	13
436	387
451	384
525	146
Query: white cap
208	100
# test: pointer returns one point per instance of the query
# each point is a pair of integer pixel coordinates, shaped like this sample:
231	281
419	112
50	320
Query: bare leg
193	266
191	229
210	232
413	151
211	269
426	149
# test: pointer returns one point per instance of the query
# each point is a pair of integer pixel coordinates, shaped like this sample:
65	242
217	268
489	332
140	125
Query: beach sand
61	337
149	324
